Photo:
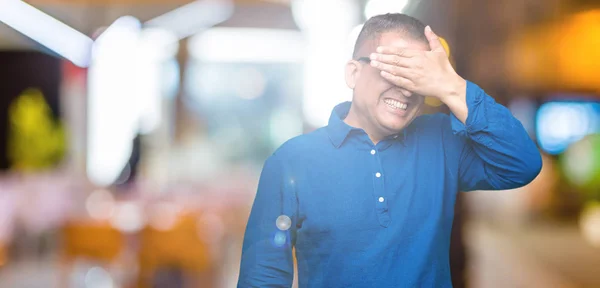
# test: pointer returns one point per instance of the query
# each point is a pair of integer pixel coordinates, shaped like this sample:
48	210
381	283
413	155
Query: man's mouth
395	104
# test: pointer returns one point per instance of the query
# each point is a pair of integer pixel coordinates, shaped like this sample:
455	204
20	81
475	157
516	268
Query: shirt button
377	174
373	152
381	199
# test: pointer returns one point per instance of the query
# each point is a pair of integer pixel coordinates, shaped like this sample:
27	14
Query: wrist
456	90
457	99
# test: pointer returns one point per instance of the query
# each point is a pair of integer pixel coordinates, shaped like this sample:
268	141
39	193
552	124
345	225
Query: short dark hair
396	22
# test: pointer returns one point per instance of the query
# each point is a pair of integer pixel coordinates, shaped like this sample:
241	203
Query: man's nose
404	92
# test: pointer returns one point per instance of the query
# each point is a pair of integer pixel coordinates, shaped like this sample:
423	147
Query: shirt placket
380	197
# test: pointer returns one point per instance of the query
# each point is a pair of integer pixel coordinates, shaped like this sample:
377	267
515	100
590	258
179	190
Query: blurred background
132	132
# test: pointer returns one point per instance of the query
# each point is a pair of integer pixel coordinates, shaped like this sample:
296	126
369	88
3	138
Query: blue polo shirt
363	215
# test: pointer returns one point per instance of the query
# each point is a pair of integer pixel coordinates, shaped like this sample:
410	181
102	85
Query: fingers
398	51
434	41
393	69
398	80
391	59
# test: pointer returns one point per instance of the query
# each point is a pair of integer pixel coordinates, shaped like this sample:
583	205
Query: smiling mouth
395	104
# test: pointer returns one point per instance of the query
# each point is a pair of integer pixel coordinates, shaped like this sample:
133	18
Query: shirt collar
338	130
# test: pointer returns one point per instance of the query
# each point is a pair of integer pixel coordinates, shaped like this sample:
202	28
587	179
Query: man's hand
423	72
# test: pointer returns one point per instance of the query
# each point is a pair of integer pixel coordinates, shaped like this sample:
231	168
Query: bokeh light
561	123
581	163
378	7
128	217
163	215
590	224
97	277
184	100
100	204
283	222
279	239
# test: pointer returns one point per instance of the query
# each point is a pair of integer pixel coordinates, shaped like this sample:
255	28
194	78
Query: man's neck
356	120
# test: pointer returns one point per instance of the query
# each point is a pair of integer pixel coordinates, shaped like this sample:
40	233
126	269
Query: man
368	200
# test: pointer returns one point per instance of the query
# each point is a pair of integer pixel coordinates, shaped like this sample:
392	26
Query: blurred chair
179	248
95	240
89	240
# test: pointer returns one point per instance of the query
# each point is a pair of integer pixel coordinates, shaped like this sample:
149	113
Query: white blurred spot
128	218
48	31
126	80
156	43
326	25
579	162
223	44
318	16
353	36
283	222
284	125
279	239
251	83
378	7
155	48
113	117
561	123
164	215
100	205
590	225
98	278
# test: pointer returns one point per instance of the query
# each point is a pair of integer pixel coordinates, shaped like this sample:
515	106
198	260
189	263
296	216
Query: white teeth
395	104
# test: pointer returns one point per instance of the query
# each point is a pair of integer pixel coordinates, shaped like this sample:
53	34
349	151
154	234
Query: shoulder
438	126
301	145
432	122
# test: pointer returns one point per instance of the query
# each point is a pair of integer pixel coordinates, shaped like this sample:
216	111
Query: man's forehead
401	40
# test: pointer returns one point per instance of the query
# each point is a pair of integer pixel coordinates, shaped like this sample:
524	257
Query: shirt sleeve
498	153
271	231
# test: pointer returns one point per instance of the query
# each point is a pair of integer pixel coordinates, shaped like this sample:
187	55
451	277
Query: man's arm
497	153
271	232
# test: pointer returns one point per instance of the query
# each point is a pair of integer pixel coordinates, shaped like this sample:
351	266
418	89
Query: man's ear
352	73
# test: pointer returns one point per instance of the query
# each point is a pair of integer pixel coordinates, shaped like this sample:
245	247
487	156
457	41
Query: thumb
434	41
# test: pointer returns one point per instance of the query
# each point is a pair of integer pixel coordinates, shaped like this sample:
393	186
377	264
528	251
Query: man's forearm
456	98
507	156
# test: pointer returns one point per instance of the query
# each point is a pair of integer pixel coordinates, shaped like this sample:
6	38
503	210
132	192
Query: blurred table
540	255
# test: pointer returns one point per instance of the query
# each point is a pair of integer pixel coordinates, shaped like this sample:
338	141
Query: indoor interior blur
133	132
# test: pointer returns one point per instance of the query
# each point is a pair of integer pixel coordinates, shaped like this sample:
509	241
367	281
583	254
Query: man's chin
397	125
395	128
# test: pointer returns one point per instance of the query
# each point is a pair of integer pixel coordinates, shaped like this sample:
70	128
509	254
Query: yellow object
563	55
446	46
92	240
35	140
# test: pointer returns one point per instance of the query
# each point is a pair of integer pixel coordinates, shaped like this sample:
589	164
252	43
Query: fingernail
374	63
373	56
428	28
379	49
